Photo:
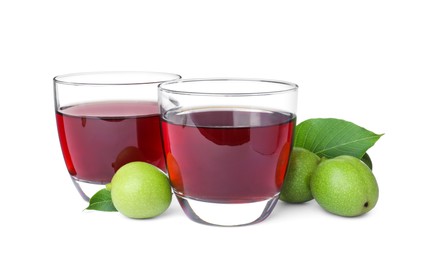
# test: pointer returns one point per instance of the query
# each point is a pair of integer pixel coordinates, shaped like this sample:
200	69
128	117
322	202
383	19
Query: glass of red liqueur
105	120
227	144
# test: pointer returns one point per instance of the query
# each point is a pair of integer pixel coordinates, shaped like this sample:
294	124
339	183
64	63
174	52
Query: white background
369	62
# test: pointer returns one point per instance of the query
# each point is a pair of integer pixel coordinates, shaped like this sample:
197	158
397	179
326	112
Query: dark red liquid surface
98	138
227	156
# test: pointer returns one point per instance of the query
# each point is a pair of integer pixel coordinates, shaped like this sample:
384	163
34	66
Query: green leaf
102	201
367	160
331	137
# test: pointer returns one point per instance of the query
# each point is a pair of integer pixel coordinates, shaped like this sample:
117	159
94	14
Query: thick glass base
227	214
86	189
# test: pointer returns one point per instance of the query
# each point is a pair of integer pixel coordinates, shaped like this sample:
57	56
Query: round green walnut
344	186
140	190
296	186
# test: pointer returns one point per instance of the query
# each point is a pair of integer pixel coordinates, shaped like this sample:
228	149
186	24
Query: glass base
86	189
227	214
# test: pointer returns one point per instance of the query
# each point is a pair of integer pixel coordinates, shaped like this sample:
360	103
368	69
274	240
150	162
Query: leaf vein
347	143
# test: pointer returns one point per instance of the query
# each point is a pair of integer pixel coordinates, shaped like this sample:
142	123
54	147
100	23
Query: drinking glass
227	144
105	120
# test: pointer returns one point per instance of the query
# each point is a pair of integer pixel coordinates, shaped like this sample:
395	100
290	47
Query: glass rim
289	86
61	79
